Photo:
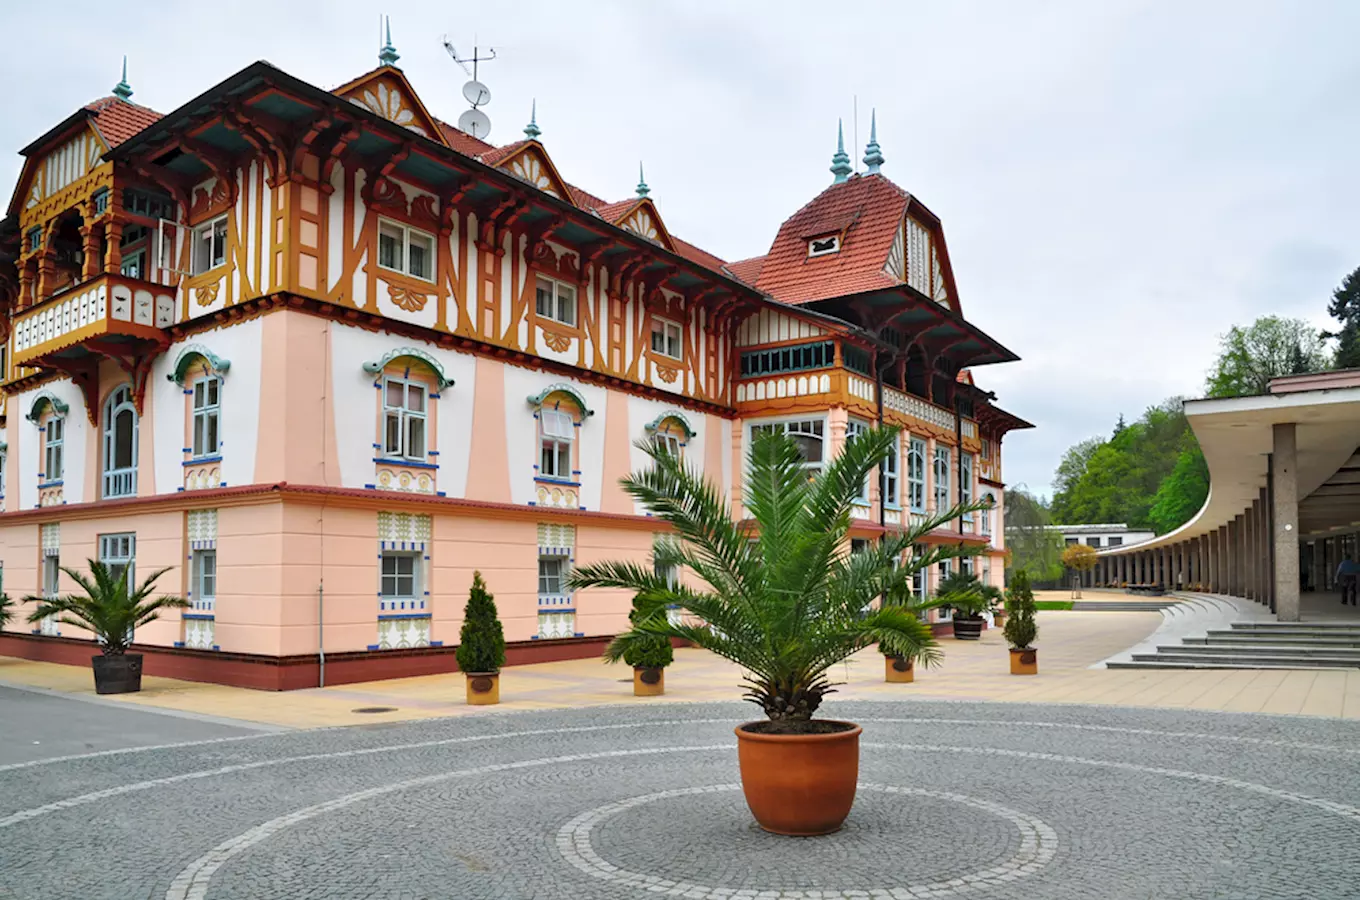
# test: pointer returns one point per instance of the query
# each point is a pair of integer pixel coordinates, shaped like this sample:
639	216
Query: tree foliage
1184	491
481	641
1034	549
107	607
1020	629
791	603
1345	308
1079	557
1272	346
656	653
6	610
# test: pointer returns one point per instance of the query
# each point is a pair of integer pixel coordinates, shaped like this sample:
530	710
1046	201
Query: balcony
108	310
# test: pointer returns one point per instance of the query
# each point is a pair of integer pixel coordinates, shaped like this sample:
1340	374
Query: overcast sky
1120	182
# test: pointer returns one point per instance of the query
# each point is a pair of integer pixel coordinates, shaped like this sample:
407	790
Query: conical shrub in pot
481	646
649	657
1021	629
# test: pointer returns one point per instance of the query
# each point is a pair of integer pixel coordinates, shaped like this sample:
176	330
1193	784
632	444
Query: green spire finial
642	189
840	163
388	54
532	129
873	156
122	90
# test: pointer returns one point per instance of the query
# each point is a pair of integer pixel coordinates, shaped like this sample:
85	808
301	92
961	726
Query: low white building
1102	536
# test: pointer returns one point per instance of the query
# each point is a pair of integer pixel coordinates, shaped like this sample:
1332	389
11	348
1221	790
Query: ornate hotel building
323	355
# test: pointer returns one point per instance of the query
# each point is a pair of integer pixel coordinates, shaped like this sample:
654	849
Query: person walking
1348	579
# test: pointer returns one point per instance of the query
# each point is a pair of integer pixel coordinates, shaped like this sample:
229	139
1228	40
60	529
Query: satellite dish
475	122
476	93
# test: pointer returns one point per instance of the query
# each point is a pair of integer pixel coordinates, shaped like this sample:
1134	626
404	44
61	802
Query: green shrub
652	652
1020	629
6	610
481	643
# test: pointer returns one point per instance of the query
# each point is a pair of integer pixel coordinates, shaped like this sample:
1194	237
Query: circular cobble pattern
638	801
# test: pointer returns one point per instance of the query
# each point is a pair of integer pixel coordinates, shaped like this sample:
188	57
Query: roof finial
532	130
873	156
388	54
642	189
122	90
840	163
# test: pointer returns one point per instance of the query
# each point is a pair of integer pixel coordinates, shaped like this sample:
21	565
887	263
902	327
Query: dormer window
824	246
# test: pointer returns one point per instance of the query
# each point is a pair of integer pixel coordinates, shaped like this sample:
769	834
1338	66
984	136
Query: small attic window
824	246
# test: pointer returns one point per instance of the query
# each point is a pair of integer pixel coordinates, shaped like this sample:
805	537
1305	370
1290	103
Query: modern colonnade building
325	355
1284	499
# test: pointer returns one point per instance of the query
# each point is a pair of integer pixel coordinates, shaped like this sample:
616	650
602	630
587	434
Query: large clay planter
1024	662
117	674
897	670
799	784
968	628
648	682
483	688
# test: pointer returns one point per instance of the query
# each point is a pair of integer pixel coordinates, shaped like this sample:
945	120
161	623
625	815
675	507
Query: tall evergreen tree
1345	308
481	641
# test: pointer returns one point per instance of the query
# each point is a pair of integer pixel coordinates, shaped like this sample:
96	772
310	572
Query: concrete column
1249	552
1231	586
1285	510
1213	560
1266	543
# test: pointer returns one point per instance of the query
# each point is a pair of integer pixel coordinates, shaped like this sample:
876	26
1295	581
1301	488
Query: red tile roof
867	211
696	255
463	142
747	270
117	119
584	199
613	212
494	157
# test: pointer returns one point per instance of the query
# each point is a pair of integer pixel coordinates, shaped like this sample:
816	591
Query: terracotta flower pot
1024	662
117	674
799	784
897	670
968	628
483	688
648	681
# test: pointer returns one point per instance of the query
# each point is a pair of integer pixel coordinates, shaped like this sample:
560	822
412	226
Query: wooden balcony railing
104	306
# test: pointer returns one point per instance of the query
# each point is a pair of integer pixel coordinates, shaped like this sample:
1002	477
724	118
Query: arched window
120	444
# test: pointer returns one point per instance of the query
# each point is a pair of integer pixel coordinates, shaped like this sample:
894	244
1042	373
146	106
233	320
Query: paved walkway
1069	644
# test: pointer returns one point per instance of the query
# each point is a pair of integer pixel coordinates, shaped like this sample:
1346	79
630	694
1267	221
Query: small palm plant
967	595
6	610
785	598
107	608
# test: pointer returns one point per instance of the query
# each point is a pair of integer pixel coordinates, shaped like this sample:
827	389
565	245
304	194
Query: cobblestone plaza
1003	801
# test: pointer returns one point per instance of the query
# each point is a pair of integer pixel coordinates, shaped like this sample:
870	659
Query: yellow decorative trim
556	340
667	373
407	299
206	295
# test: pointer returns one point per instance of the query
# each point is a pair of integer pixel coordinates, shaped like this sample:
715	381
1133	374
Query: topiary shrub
1020	629
481	642
652	652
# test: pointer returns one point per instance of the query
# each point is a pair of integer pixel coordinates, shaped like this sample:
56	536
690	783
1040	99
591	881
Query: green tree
1074	464
1345	308
656	653
1271	346
1183	492
1034	549
792	602
1020	629
481	641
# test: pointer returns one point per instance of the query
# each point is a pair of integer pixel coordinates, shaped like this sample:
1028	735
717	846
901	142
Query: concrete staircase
1256	645
1123	605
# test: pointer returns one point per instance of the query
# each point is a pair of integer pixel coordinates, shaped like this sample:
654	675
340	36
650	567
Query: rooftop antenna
473	121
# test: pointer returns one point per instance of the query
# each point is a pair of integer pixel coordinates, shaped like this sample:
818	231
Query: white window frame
943	457
806	428
206	413
670	442
133	264
891	475
987	514
204	582
966	483
120	550
396	576
557	433
668	331
406	419
916	474
834	248
119	482
920	578
854	428
207	234
563	565
561	297
51	576
54	448
942	571
403	265
4	465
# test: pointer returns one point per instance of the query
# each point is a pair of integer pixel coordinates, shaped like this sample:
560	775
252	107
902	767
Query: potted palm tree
1021	629
649	659
112	613
6	610
970	600
783	598
481	646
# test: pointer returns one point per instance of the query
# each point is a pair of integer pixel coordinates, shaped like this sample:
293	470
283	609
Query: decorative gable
644	221
387	93
531	165
60	167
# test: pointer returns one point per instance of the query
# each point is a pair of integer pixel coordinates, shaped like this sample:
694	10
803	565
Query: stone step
1261	650
1246	637
1190	664
1245	660
1121	605
1298	627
